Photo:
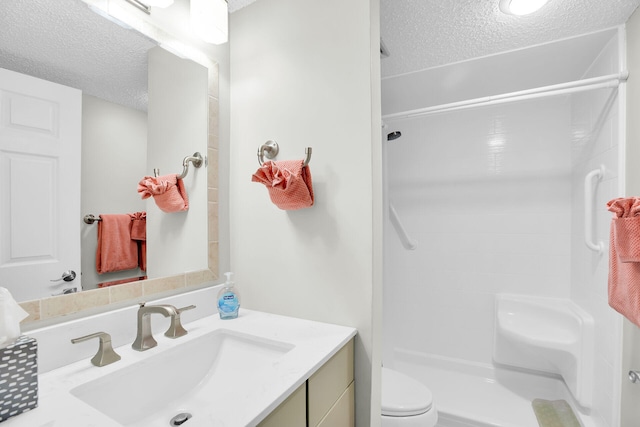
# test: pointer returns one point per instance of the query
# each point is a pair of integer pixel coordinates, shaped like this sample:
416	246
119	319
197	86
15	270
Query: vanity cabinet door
342	414
291	413
330	391
325	400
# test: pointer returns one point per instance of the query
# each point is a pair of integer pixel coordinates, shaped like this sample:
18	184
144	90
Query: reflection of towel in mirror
168	192
624	257
116	251
288	182
120	282
139	234
138	225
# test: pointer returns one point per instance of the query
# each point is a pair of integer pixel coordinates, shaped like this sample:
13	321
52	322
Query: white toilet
406	402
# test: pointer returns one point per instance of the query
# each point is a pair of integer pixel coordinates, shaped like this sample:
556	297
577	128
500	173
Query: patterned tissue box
18	377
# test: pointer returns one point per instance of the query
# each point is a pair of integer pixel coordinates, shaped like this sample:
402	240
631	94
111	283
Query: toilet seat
402	396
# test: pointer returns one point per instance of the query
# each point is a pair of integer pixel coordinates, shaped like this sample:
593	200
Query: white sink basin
172	382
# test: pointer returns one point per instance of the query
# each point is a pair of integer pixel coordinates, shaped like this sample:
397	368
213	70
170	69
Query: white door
40	134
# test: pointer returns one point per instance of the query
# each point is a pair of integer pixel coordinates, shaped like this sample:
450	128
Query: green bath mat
554	413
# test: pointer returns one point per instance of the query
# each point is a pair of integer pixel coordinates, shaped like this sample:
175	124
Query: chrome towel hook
307	152
270	150
196	159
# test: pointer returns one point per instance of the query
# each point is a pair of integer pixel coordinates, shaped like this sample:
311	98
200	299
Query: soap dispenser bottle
228	299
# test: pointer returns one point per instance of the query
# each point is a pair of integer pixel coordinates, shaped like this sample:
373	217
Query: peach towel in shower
168	192
288	182
624	271
116	251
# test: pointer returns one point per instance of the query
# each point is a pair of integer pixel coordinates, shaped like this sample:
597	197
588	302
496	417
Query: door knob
634	376
67	276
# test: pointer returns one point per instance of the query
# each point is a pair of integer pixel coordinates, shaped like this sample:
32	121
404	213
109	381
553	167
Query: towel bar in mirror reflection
90	219
196	159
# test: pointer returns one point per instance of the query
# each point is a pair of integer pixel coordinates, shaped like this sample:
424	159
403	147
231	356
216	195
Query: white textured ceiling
422	34
65	42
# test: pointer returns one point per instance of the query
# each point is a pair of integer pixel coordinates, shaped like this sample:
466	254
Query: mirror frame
52	309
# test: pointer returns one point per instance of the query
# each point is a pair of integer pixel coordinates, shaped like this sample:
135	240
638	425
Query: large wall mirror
142	107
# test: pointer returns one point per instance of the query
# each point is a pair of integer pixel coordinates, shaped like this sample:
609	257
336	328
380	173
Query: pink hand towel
624	207
288	182
116	251
624	271
168	192
627	238
139	234
138	225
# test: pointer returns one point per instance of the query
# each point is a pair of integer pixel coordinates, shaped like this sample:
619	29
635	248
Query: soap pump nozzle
229	282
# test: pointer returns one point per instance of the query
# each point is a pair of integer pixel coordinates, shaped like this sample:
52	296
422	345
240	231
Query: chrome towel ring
196	159
270	150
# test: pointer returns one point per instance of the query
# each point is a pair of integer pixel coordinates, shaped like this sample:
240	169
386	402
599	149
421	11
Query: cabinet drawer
291	413
327	385
343	413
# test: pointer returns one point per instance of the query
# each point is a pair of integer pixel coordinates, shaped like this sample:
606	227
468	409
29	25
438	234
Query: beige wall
630	410
302	74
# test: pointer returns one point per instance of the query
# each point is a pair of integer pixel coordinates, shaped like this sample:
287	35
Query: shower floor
468	395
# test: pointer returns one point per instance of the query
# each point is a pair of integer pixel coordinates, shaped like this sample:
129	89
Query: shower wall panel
486	193
595	141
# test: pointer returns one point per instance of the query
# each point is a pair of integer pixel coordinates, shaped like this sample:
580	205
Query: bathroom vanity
259	369
326	399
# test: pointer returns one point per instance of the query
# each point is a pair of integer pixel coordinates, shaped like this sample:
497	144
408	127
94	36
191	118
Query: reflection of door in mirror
39	186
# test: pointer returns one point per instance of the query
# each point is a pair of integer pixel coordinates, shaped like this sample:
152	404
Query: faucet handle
106	354
189	307
176	329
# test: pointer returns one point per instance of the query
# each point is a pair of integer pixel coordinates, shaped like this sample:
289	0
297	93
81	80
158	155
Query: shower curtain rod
608	81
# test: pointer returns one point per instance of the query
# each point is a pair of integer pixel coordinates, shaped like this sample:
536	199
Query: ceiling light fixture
521	7
158	3
210	20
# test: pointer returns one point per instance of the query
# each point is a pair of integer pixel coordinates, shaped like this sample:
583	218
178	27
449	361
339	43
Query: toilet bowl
406	402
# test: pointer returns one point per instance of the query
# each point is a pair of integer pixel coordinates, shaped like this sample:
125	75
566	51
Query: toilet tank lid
403	396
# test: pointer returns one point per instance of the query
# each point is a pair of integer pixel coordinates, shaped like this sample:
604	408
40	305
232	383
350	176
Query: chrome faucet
144	339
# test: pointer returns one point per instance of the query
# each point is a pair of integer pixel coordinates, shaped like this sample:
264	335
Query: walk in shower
492	201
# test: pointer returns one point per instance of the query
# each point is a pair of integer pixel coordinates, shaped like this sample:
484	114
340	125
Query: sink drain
180	419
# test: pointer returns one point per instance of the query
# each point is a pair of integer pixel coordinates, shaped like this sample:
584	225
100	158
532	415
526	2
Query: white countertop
314	344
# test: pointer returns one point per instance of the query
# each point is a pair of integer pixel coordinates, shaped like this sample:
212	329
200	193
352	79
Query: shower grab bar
406	241
589	193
